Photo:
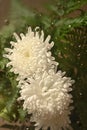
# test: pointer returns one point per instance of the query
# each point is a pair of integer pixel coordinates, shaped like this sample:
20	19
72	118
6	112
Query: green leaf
22	114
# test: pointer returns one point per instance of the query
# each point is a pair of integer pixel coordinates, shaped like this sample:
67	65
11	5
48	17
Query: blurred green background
66	22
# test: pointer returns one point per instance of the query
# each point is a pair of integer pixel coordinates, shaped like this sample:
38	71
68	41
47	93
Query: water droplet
80	94
78	1
78	122
52	23
27	128
6	21
69	26
60	55
65	48
79	46
81	64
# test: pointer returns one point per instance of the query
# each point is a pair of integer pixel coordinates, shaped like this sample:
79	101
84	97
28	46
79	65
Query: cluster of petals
30	54
48	100
44	90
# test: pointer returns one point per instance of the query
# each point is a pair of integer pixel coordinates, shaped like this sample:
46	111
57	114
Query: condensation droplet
79	46
78	1
80	94
27	128
81	64
69	26
78	122
60	55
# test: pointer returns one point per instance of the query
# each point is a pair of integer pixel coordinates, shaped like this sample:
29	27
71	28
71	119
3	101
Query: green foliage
70	50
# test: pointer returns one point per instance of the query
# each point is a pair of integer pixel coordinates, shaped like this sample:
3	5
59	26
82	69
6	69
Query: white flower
30	53
47	98
45	92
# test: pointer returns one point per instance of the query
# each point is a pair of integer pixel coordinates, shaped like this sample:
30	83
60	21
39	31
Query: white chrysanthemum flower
48	99
30	53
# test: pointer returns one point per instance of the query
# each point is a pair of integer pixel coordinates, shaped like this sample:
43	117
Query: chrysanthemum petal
30	53
47	98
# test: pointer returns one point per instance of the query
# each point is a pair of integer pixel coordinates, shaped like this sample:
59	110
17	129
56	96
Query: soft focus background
67	25
33	4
